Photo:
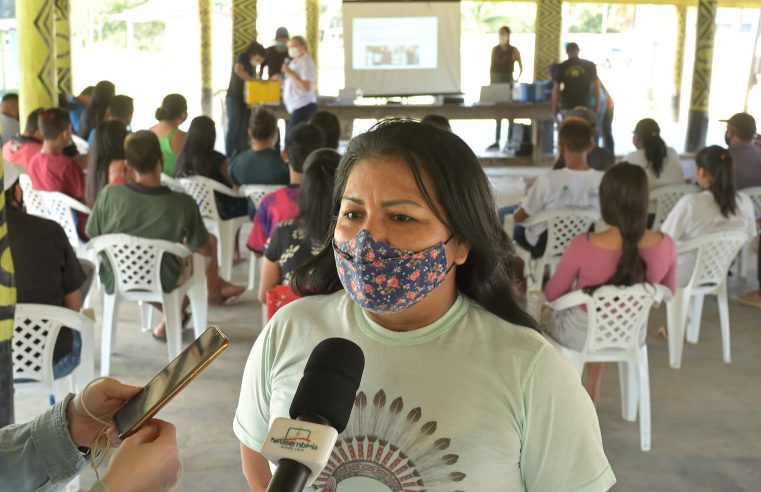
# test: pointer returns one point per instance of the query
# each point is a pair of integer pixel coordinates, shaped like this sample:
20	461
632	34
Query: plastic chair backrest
136	261
32	198
755	196
665	198
255	193
563	226
172	183
35	330
715	254
202	191
617	314
61	208
277	297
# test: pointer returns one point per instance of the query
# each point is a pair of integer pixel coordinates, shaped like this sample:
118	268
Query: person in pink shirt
20	149
626	254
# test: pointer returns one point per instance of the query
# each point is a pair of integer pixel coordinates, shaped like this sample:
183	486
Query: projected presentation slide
414	44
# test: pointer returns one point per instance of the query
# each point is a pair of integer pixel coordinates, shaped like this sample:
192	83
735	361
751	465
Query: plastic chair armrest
572	299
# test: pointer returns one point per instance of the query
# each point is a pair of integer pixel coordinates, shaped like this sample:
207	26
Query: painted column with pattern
681	35
549	19
697	123
313	28
7	308
204	16
63	46
244	24
36	42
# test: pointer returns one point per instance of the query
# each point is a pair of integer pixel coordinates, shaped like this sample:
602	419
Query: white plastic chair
743	260
202	190
136	263
616	315
35	331
61	208
32	198
562	227
172	183
255	193
714	255
665	198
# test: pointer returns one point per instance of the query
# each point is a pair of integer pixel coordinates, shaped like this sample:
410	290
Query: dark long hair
172	107
96	110
459	195
717	161
108	147
624	199
196	156
315	202
649	134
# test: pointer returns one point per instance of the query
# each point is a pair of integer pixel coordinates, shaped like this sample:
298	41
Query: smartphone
167	383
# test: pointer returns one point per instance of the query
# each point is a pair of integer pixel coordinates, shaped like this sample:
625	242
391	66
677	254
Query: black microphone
320	410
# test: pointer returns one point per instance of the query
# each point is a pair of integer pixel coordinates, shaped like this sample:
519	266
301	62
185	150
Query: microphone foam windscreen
330	382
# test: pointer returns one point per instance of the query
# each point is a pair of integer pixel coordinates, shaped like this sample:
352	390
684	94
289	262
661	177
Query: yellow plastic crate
262	92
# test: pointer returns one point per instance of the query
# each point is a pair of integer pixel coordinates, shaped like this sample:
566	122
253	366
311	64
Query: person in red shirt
51	169
21	148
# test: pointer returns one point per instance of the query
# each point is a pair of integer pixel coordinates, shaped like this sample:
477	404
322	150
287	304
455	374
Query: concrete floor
706	416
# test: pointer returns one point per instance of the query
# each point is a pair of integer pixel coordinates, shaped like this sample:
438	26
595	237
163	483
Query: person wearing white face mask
299	94
504	56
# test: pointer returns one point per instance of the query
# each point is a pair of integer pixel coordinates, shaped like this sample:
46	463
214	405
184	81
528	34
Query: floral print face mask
382	278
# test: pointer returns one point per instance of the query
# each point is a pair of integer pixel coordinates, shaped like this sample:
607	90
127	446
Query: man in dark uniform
501	71
276	55
244	69
579	80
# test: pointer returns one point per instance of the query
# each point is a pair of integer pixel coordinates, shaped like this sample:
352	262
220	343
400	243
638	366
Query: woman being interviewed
458	390
625	254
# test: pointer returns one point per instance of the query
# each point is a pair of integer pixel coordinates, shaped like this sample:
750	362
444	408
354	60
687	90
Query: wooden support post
63	47
36	42
697	123
204	16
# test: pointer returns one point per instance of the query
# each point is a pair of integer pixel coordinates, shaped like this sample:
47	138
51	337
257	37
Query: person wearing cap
300	75
578	78
46	268
661	163
275	55
741	131
598	158
244	69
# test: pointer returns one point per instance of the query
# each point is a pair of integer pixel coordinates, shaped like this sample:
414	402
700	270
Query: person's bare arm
256	469
241	72
555	98
73	300
270	277
520	215
225	171
598	102
177	140
520	63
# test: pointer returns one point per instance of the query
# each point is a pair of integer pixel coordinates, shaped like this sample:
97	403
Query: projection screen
402	48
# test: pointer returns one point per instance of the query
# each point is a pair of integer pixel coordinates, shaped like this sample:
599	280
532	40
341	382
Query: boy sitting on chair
150	210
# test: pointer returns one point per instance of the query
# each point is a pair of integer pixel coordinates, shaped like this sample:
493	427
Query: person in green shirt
150	210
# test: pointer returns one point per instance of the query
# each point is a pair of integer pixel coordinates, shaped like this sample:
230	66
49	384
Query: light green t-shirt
152	213
470	402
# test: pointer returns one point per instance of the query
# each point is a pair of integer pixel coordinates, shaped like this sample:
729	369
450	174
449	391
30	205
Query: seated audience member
121	108
47	271
741	131
438	121
9	118
171	114
107	163
574	186
625	254
198	158
598	158
95	112
283	204
46	453
294	242
661	163
76	105
718	207
51	169
147	209
261	164
330	126
22	147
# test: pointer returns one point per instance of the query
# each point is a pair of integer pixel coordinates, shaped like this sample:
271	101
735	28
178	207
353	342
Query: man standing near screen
501	71
299	94
580	84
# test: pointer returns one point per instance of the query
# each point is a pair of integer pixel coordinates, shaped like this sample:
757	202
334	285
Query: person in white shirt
661	163
718	207
299	93
574	186
458	391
